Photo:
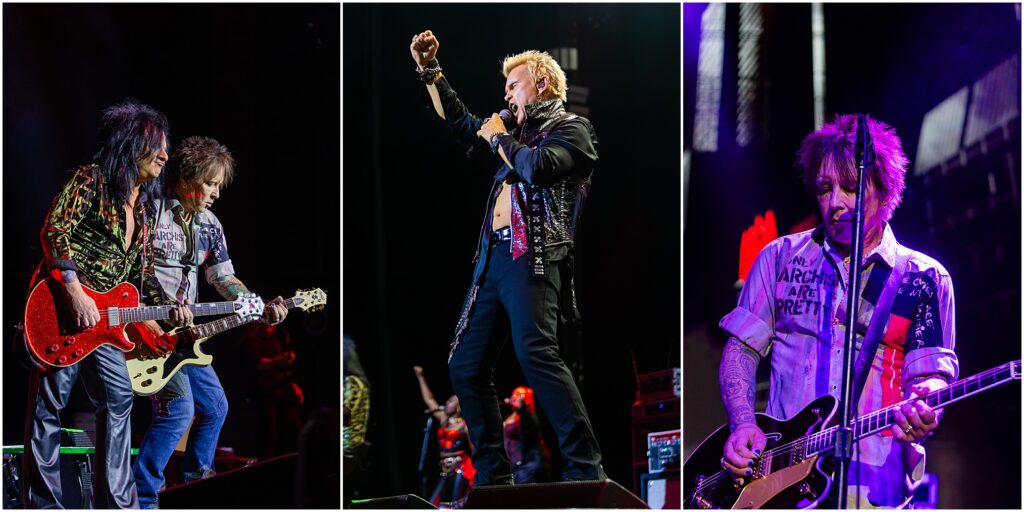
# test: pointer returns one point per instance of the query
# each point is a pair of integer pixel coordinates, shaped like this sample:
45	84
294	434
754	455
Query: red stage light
754	239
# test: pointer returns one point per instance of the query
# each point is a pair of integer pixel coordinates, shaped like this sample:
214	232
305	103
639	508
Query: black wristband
496	141
428	75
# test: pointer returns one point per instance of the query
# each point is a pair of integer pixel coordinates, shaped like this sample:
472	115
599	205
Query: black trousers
532	306
530	472
106	381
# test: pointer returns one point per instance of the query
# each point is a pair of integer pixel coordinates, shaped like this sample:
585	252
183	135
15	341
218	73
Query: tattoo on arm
737	380
230	287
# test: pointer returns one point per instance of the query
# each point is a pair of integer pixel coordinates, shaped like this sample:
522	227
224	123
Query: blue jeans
172	412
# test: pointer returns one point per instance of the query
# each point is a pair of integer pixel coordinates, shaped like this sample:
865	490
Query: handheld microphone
507	117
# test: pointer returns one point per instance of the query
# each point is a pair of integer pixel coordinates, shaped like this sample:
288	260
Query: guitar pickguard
150	375
758	493
706	485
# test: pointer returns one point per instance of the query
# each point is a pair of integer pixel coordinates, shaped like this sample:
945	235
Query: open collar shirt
181	248
85	230
793	308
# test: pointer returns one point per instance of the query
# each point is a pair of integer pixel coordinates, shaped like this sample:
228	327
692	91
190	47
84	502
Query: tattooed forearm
737	380
230	287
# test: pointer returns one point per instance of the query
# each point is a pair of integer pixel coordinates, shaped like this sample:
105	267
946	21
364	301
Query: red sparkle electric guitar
54	340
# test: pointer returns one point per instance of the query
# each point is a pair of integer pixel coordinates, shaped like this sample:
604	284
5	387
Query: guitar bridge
697	500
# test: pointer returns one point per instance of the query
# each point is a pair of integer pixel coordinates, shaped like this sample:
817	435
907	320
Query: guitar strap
879	321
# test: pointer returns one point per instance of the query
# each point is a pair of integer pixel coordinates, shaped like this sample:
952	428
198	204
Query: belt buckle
501	235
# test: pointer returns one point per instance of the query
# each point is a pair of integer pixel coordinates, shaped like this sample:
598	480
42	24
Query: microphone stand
844	435
423	454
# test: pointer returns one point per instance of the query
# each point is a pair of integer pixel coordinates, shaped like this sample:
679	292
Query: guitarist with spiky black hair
96	236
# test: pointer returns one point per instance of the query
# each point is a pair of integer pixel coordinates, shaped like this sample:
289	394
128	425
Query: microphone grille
508	118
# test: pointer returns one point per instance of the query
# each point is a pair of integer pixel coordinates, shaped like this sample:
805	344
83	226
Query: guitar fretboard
719	486
210	328
825	441
117	316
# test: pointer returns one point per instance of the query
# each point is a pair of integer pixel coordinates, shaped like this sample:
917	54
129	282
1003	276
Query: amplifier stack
656	438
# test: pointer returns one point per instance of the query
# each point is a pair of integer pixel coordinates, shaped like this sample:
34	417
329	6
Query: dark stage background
896	62
263	80
413	204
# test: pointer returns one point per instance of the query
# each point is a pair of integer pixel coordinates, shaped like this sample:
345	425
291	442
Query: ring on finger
908	430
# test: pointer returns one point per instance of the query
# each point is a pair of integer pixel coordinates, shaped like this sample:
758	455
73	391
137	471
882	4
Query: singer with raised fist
456	465
524	259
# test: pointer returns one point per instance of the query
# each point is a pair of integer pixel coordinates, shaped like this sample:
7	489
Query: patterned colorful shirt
793	305
182	247
84	231
357	414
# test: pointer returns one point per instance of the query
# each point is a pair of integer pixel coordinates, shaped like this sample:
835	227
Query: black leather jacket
553	156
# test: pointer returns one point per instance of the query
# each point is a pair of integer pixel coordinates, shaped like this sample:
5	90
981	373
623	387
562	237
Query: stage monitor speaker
662	491
405	501
584	494
267	484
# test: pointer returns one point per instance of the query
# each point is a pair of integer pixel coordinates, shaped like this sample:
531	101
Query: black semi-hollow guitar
794	471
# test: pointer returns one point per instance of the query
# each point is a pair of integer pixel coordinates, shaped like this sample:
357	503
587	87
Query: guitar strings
787	449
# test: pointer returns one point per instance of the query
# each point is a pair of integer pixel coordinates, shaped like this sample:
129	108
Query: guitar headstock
249	306
1015	369
309	299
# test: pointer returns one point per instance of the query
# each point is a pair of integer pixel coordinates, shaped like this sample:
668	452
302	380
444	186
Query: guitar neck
210	328
218	326
872	423
143	313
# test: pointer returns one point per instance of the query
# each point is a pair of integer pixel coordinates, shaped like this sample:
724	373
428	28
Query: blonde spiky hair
540	64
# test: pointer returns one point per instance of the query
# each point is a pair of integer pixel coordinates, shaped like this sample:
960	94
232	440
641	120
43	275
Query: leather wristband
430	73
495	140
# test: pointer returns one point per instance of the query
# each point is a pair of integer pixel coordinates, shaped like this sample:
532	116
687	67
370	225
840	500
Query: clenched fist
424	48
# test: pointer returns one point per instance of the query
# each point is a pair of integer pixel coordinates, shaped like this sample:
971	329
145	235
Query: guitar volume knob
807	492
70	341
62	359
53	348
79	352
